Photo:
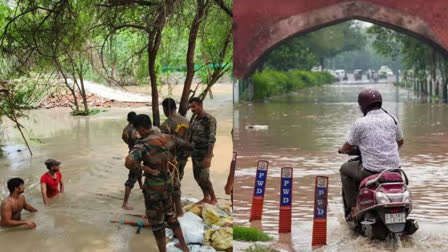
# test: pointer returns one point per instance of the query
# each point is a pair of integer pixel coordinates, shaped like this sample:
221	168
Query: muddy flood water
305	130
92	155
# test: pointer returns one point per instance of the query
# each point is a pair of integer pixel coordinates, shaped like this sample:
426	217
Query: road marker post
284	224
256	211
320	211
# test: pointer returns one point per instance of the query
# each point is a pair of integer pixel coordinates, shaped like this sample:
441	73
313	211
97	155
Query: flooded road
305	130
92	155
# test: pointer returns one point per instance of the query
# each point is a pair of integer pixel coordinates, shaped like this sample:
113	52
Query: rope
173	170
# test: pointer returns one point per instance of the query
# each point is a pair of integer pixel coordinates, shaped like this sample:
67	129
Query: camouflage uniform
129	136
178	126
203	134
156	150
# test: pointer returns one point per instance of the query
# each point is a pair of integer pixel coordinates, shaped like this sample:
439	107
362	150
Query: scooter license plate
393	218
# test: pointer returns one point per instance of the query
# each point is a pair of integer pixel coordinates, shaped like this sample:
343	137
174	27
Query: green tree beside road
351	45
424	68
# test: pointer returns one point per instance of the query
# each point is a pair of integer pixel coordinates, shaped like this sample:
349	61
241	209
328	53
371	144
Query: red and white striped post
284	225
256	211
320	211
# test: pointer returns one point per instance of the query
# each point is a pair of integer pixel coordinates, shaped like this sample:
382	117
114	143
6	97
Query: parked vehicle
357	74
374	77
340	74
384	72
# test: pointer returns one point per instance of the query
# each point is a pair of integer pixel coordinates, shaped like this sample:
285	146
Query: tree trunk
433	71
153	48
23	136
322	62
430	89
437	83
83	90
194	30
442	82
72	90
154	39
74	96
444	71
445	91
12	116
442	77
204	93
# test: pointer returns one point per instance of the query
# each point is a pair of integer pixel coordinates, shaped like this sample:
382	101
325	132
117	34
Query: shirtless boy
13	205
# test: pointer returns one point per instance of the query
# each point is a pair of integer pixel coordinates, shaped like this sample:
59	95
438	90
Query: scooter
383	205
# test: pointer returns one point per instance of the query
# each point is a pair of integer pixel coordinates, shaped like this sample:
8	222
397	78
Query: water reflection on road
305	130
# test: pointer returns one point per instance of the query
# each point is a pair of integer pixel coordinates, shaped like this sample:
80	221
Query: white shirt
376	135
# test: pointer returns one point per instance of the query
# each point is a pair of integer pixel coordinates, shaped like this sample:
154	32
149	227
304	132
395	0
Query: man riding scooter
378	136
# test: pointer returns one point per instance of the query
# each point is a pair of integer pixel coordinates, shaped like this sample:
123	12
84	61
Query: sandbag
208	235
226	208
223	239
222	213
210	214
192	228
188	201
196	209
198	248
187	207
171	247
226	221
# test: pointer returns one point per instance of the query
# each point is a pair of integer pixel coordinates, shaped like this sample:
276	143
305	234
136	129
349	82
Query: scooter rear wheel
379	231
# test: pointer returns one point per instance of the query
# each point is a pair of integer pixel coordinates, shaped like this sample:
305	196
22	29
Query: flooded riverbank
92	155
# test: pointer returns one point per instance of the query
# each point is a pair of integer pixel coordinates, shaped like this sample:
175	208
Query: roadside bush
270	82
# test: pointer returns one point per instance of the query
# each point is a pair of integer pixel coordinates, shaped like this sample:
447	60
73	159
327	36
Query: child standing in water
50	181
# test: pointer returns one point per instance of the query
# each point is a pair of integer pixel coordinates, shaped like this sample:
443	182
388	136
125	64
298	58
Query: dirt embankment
64	98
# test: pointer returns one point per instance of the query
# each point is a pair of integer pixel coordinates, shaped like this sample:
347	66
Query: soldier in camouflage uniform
178	126
129	136
129	131
203	138
156	150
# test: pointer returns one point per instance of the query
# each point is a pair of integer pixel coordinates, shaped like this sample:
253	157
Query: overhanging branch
223	6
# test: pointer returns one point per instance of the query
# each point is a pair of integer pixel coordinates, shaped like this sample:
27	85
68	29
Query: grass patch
261	248
91	112
36	140
249	234
96	111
